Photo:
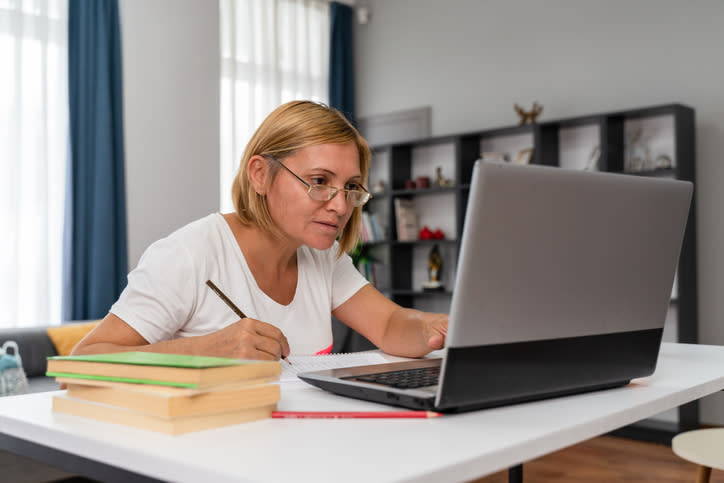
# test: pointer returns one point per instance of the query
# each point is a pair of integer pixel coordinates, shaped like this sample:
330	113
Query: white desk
450	448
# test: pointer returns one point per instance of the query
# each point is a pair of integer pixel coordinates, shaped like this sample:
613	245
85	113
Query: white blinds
33	152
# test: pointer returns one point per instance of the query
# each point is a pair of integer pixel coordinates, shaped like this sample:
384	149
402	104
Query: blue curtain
96	263
341	97
341	59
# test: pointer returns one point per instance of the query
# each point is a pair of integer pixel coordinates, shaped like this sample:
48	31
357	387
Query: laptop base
523	371
527	371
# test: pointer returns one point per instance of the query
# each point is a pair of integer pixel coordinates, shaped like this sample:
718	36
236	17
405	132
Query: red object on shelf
438	234
425	233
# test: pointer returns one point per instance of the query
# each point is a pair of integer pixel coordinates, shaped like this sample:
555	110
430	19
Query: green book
156	359
163	369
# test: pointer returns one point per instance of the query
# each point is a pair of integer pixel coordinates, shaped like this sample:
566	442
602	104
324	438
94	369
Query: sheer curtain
272	51
33	151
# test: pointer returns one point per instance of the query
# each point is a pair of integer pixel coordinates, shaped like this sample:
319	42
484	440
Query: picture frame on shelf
525	156
406	216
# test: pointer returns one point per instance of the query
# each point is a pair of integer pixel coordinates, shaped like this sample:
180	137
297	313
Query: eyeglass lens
326	193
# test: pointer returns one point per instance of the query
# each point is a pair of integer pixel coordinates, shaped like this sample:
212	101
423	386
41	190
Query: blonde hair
289	128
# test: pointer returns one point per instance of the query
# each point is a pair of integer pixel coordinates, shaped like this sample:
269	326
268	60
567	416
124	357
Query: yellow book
171	402
165	369
174	426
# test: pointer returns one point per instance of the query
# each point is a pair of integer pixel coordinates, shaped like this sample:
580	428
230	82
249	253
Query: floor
608	459
17	469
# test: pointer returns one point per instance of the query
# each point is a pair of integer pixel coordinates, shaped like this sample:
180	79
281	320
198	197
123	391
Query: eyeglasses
321	192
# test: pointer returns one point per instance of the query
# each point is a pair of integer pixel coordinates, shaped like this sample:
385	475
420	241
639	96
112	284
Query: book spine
376	227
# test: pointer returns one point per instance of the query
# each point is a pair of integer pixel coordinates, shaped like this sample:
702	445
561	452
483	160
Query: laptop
563	284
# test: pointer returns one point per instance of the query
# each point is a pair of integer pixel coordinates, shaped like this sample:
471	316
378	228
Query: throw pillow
65	337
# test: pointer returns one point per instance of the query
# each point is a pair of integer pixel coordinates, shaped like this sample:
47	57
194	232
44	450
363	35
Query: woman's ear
258	170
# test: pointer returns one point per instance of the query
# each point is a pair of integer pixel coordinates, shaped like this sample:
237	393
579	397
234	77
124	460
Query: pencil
231	305
353	414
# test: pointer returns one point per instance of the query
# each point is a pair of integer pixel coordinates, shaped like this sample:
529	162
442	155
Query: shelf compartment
648	142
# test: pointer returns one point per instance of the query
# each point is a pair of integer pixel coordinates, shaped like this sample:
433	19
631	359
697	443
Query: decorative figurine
663	162
442	181
434	270
427	234
379	186
528	116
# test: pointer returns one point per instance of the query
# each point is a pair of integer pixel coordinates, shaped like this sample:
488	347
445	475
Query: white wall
171	115
472	59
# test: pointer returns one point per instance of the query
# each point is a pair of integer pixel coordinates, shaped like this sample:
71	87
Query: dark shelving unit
545	139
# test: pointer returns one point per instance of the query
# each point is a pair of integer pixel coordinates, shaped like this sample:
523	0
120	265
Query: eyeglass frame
332	189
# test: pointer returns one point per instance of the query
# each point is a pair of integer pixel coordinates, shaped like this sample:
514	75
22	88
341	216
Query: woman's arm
394	329
245	339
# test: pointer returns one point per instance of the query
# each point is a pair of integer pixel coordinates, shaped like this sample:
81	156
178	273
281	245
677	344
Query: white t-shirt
167	296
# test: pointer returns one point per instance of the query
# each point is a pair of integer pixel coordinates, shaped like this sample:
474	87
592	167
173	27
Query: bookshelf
648	141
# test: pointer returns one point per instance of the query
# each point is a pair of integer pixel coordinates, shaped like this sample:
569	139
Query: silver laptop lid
551	253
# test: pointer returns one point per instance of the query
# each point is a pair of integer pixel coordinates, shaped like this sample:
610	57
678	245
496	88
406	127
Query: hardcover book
171	402
163	369
173	426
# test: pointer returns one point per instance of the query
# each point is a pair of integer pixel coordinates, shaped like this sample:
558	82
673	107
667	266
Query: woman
280	258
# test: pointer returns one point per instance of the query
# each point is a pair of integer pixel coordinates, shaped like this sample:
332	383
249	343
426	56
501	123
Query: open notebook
331	361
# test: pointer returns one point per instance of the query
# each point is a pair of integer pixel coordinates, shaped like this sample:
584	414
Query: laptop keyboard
407	379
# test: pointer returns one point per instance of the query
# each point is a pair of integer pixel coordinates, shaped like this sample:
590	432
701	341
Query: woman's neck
269	258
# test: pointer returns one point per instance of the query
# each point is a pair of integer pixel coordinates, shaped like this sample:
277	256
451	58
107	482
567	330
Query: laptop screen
550	252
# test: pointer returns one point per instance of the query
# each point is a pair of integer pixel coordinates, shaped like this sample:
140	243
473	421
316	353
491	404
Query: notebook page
331	361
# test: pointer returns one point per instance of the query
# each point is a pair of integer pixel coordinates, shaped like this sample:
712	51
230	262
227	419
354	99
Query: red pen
353	414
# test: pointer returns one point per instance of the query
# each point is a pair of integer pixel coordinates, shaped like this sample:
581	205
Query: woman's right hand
245	339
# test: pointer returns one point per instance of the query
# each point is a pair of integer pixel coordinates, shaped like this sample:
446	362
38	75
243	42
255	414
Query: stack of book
370	230
167	393
492	156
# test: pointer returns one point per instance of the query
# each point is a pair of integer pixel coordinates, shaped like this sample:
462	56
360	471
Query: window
272	51
33	152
